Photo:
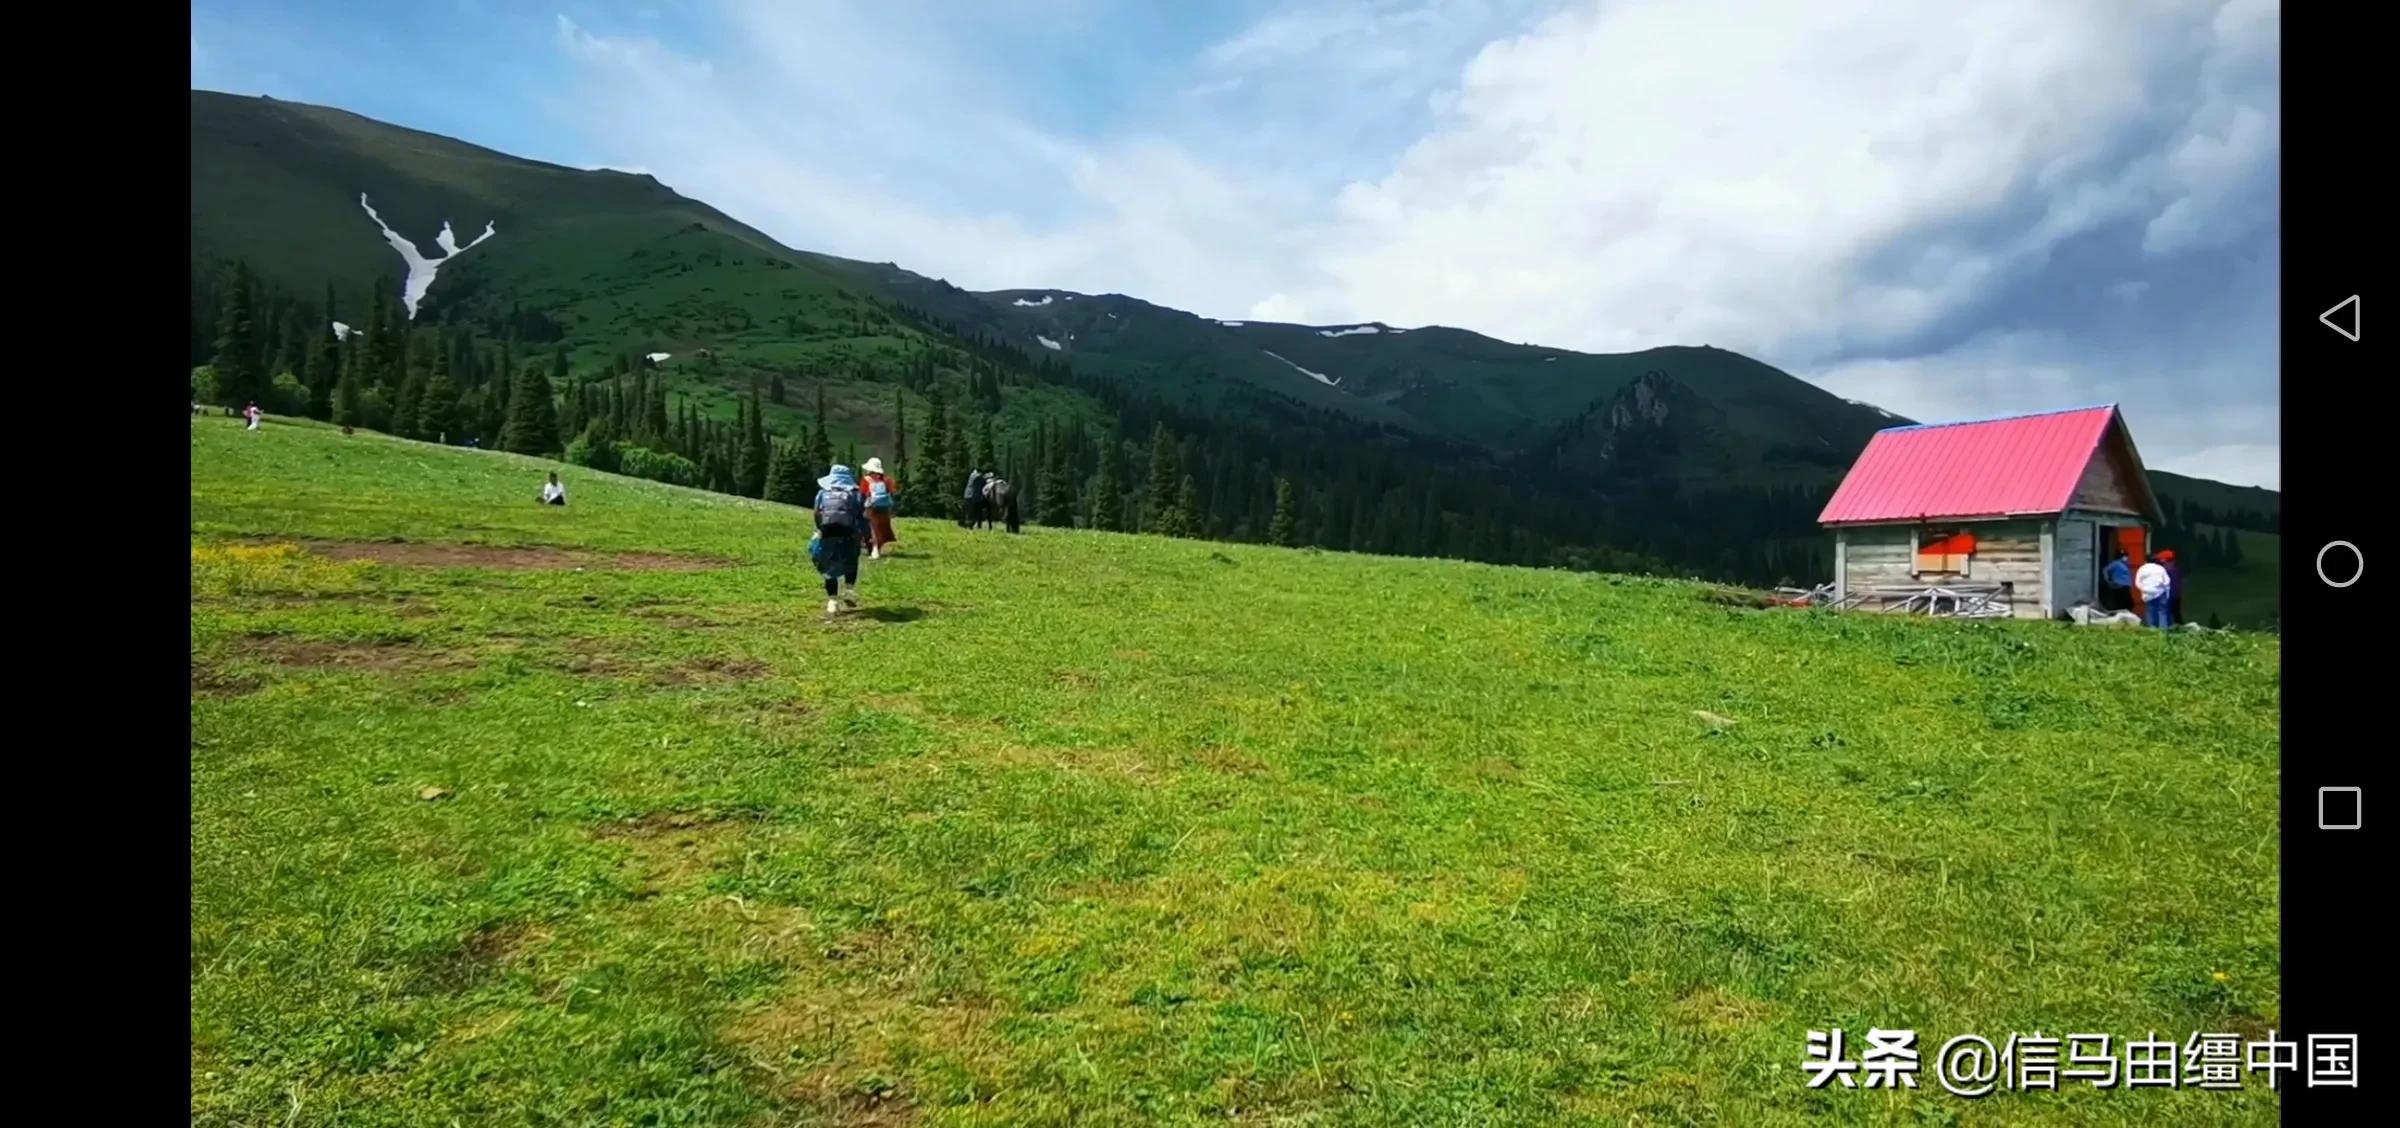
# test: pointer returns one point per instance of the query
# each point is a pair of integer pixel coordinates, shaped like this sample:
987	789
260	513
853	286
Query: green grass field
1099	829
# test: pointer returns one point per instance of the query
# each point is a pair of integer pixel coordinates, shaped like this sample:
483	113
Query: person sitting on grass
553	492
840	518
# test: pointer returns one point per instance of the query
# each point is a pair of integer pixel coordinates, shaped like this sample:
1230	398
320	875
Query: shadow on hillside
892	614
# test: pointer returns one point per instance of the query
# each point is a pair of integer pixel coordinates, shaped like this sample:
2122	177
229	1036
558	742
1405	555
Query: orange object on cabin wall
1939	554
2134	540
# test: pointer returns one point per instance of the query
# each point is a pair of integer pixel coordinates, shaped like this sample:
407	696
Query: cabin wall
2009	552
2110	482
2075	568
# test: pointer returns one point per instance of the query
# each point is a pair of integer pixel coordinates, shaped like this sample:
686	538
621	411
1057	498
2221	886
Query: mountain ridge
614	266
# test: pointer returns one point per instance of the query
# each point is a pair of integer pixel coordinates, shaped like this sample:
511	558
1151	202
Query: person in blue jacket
2116	584
841	517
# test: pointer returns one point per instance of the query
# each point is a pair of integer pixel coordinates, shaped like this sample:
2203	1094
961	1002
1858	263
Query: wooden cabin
2031	505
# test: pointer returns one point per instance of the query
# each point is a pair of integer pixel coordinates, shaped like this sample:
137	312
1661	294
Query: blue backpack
879	493
837	510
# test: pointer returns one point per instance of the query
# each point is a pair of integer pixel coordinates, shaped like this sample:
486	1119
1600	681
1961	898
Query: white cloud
1820	185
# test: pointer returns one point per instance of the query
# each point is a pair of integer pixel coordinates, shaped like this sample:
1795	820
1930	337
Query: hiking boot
832	607
850	597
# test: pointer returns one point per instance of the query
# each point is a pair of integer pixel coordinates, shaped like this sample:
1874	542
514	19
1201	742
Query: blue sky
1946	210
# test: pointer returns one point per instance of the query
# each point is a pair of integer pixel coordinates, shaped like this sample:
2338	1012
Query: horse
999	499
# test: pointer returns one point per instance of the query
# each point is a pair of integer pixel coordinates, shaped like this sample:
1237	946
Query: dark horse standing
999	500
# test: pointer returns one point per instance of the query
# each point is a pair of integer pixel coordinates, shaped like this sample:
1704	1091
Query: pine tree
1108	500
532	426
899	426
345	402
1163	477
1056	498
790	479
820	443
437	411
1283	529
387	341
775	391
489	414
324	369
404	408
239	380
1183	517
985	457
750	457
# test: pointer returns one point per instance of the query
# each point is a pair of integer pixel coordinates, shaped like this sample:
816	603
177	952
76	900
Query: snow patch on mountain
1232	324
1351	331
1870	407
341	332
1049	344
1032	305
659	358
1319	377
421	269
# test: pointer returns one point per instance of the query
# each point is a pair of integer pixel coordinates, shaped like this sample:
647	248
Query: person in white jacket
2156	587
552	492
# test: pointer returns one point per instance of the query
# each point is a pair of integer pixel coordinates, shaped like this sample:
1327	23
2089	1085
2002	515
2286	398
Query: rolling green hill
1399	439
503	813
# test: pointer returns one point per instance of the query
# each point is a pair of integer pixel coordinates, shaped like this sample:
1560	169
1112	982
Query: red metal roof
1981	468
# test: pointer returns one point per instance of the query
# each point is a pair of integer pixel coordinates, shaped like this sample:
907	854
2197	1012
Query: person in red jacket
882	495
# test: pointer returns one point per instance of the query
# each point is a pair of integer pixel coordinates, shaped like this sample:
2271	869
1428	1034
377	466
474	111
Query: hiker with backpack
971	507
883	496
841	519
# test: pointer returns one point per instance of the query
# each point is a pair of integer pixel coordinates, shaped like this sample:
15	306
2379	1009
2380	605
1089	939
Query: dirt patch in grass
1229	759
1736	597
1714	1011
674	848
477	957
207	682
711	671
380	656
839	1050
518	558
679	621
592	657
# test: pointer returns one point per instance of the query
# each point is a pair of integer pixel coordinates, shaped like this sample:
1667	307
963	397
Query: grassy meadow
506	814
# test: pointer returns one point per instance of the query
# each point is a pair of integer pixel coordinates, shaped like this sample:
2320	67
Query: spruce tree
1283	528
1163	477
437	411
345	402
1108	503
532	426
239	380
490	416
324	370
404	408
1056	498
1183	517
899	426
986	458
775	391
789	479
387	341
750	457
820	443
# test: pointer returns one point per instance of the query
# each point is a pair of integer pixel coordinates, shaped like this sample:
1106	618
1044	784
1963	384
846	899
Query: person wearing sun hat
841	520
883	498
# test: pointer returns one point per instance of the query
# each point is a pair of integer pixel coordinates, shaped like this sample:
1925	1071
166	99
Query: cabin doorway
2134	542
